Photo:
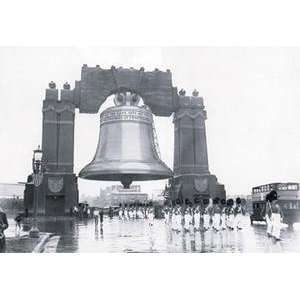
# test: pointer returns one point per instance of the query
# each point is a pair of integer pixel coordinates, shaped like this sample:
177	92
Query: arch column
58	192
191	169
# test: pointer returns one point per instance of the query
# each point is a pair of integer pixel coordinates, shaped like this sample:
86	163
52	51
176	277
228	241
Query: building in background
157	195
12	190
11	196
116	194
90	200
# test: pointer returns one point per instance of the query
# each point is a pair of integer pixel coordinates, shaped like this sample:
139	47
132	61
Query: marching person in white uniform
131	213
173	218
230	214
176	219
188	219
216	214
197	212
239	212
167	214
145	209
126	213
88	212
180	217
206	214
151	215
140	213
121	212
223	214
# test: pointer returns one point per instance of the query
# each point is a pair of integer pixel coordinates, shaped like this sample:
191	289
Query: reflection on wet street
81	235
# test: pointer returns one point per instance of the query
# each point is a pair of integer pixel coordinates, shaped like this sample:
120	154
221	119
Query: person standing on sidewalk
3	226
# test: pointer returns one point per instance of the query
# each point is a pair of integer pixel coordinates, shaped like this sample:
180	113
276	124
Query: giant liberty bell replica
127	148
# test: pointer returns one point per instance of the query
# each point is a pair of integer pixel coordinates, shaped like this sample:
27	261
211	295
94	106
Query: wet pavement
20	242
137	236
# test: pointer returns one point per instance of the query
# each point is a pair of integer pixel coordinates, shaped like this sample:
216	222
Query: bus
288	195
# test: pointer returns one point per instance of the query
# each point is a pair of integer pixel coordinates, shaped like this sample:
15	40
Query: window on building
282	187
292	187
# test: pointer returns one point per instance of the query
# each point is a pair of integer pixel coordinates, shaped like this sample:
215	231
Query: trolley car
288	195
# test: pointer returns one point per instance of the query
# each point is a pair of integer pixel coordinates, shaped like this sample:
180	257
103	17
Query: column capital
193	101
192	113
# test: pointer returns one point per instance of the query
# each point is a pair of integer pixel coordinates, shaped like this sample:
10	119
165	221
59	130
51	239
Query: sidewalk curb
40	246
52	244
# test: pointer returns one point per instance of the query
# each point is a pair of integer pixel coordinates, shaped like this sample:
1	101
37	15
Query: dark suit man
3	226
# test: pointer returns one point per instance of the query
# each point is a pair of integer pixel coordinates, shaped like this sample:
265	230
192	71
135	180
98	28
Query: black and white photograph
177	149
149	150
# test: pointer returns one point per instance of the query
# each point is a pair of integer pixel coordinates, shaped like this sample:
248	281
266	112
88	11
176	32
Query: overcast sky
251	96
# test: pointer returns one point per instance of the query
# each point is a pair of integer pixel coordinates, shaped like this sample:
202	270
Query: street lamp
37	167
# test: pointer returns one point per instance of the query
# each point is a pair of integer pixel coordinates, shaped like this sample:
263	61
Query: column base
34	232
194	187
57	195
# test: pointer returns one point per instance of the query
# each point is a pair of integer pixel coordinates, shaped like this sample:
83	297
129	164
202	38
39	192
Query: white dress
131	212
216	221
167	217
173	220
206	220
197	220
151	217
178	221
239	221
269	225
187	221
230	219
121	214
239	217
276	225
223	219
140	214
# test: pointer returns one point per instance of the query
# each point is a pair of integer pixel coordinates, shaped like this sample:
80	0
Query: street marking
51	245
